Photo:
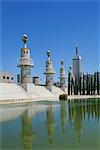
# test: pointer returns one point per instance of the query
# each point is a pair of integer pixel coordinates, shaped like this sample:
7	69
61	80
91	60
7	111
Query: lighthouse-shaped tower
62	76
49	72
25	63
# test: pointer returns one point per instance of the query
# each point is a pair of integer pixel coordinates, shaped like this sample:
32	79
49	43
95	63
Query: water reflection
63	115
75	117
79	108
27	134
77	111
50	124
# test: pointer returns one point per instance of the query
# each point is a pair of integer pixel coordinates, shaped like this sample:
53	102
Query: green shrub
63	97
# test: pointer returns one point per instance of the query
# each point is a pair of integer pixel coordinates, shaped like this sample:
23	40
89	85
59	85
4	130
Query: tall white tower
49	72
77	65
62	76
25	62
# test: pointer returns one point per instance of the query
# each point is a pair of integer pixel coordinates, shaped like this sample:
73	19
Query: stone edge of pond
14	101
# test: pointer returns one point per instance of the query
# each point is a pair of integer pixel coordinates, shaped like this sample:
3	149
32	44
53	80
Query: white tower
77	65
49	72
25	62
62	76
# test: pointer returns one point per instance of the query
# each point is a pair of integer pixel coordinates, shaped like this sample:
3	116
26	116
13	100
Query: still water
50	125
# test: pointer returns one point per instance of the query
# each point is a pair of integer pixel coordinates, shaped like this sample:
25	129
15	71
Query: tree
94	82
83	85
89	77
91	84
98	86
80	82
75	87
71	87
87	84
69	83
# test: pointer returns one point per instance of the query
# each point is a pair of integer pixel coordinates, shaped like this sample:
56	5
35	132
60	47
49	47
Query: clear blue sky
50	25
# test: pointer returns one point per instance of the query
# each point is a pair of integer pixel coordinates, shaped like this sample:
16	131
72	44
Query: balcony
25	62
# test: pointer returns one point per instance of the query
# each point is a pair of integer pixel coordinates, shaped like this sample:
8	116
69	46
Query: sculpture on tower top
48	54
62	62
25	39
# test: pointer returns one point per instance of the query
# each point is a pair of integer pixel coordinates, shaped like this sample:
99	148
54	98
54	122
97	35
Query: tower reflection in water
27	134
78	111
63	115
50	124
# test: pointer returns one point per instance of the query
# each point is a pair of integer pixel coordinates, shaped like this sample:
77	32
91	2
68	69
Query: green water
51	125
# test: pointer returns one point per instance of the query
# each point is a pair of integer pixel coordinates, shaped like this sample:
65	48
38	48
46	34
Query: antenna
76	48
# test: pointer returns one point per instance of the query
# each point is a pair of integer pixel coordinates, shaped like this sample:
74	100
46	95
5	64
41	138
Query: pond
62	125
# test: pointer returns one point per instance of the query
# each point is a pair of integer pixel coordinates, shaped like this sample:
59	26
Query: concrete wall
12	91
38	91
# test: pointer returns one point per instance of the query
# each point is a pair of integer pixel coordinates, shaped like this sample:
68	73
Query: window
27	52
12	78
7	77
3	77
